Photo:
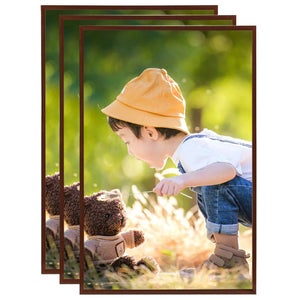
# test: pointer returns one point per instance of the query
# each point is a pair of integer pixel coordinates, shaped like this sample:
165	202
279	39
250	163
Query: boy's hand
212	174
169	186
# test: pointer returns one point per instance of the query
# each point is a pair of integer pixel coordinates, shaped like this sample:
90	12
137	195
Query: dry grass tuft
175	238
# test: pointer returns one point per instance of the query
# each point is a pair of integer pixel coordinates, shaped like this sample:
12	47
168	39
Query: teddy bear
104	218
52	207
52	223
72	221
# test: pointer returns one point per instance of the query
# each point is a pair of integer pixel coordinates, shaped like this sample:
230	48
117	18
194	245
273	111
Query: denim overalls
224	205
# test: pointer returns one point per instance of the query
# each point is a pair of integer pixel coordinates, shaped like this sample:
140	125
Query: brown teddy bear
52	207
52	223
72	220
104	219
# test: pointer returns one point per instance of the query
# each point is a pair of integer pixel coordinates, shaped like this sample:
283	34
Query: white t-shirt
201	149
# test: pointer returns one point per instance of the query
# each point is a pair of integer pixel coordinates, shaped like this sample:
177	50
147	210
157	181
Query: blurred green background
212	67
52	66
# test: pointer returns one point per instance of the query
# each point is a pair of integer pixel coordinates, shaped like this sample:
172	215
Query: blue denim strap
218	138
180	168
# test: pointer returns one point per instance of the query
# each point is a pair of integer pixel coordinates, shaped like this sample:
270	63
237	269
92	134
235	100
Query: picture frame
87	32
51	144
137	19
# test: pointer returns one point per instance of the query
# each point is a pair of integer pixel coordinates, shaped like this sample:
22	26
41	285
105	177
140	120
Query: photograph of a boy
149	117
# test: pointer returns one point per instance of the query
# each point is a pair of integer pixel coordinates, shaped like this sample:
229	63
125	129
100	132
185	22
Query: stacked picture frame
88	53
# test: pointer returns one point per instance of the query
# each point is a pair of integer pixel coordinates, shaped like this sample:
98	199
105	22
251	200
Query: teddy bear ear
117	192
67	190
70	189
53	176
49	182
52	180
86	201
102	197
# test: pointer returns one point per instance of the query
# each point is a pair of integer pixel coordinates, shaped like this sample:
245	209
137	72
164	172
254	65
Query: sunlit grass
177	240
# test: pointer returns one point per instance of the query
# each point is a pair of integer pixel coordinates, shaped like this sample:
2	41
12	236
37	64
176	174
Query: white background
278	117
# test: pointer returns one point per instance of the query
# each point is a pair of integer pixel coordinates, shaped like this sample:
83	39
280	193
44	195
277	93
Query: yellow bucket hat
151	99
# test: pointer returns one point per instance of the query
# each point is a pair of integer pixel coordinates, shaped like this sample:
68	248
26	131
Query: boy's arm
213	174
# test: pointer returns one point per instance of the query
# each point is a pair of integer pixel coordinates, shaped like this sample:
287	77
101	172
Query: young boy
149	116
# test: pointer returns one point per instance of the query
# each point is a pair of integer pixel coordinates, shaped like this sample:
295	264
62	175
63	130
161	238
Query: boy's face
147	148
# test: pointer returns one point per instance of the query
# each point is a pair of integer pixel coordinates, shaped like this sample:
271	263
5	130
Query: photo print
214	66
69	67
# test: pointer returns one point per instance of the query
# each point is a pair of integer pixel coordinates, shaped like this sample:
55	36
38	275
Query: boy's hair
116	124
